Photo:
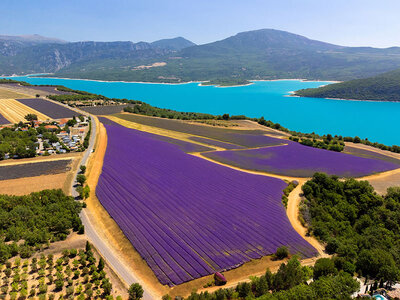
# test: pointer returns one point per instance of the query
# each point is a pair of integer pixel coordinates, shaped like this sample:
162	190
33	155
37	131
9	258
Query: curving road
107	252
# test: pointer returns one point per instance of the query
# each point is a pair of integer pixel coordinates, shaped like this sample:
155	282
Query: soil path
293	215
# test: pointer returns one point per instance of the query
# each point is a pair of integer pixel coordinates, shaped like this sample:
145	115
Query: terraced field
15	111
188	217
51	109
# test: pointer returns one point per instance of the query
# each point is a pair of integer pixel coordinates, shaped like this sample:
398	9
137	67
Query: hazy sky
345	22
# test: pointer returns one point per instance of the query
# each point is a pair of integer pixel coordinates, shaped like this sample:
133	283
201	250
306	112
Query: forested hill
258	54
384	87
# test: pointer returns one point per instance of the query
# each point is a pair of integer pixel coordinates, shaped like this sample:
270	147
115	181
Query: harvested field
301	161
188	217
15	171
53	110
15	111
382	183
7	94
369	154
215	143
27	185
104	110
3	120
246	138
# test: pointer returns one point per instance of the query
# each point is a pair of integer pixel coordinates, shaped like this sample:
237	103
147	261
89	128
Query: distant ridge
174	44
259	54
33	38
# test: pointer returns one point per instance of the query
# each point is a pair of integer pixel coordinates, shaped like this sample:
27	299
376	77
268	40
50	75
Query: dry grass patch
9	94
27	185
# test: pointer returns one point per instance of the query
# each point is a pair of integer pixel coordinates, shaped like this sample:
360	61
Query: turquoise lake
377	121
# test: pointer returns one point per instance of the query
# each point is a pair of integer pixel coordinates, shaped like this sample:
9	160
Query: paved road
109	255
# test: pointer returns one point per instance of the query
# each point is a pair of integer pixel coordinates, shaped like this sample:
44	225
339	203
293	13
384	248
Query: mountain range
259	54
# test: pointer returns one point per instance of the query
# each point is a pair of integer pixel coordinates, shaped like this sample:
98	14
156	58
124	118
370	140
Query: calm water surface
378	121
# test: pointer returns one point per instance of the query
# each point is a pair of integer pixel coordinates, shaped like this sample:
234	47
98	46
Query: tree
107	286
289	275
282	252
71	122
88	246
100	266
31	118
37	95
324	267
243	289
86	192
135	291
81	179
83	169
83	192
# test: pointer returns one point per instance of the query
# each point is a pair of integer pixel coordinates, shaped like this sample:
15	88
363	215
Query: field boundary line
293	211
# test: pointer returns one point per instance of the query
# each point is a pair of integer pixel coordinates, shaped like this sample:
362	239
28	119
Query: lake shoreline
200	82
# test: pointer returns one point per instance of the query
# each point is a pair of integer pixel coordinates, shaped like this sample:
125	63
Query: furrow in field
15	111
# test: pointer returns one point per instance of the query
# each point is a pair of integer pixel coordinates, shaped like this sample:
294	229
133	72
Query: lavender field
3	120
188	217
244	138
301	161
186	147
49	108
215	143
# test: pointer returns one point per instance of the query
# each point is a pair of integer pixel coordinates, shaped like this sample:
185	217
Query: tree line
291	281
360	228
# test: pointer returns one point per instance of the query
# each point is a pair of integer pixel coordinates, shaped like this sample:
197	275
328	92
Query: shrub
282	252
73	253
59	284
